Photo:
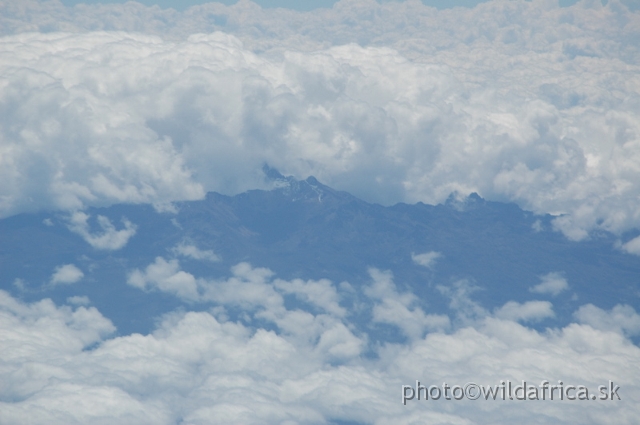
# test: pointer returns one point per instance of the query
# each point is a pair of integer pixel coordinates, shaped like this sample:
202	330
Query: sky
518	101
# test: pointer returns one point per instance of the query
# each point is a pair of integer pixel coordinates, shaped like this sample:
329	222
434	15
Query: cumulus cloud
249	288
192	251
621	318
400	309
428	259
552	283
261	298
27	328
320	293
166	276
393	102
461	302
59	363
66	274
528	311
632	246
79	300
109	239
20	284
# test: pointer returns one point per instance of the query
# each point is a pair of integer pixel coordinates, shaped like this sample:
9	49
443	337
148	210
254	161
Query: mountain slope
304	229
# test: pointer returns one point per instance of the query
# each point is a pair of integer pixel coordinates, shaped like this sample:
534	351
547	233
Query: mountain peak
313	181
309	189
464	203
272	174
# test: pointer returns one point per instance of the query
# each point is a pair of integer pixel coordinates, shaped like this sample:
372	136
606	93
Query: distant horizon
301	5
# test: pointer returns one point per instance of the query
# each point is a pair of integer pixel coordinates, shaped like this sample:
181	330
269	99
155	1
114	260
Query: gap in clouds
466	252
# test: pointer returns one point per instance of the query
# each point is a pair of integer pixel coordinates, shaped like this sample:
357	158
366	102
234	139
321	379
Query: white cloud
261	298
632	246
166	276
69	403
400	309
20	284
31	329
320	293
460	301
552	283
196	369
192	251
529	311
537	226
621	318
79	300
109	239
248	288
429	102
66	274
428	259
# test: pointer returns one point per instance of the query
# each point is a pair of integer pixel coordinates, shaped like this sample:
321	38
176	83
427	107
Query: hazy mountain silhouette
304	229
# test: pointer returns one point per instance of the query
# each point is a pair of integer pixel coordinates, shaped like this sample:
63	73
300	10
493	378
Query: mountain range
490	252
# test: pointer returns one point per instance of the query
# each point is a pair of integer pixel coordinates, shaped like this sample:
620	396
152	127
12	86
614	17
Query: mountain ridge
304	229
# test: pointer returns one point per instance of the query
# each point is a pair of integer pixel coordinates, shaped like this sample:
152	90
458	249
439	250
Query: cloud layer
278	364
520	101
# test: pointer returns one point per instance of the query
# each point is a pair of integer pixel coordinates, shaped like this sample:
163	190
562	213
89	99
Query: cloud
61	366
400	309
460	293
320	293
20	284
621	318
428	259
192	251
79	300
528	311
632	246
248	288
166	276
261	298
31	329
66	274
537	226
552	283
110	238
405	108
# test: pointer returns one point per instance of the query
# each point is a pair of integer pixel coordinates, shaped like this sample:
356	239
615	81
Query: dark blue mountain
304	229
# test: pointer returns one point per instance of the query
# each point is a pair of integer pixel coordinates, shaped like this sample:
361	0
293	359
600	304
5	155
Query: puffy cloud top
66	274
515	100
287	365
552	283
